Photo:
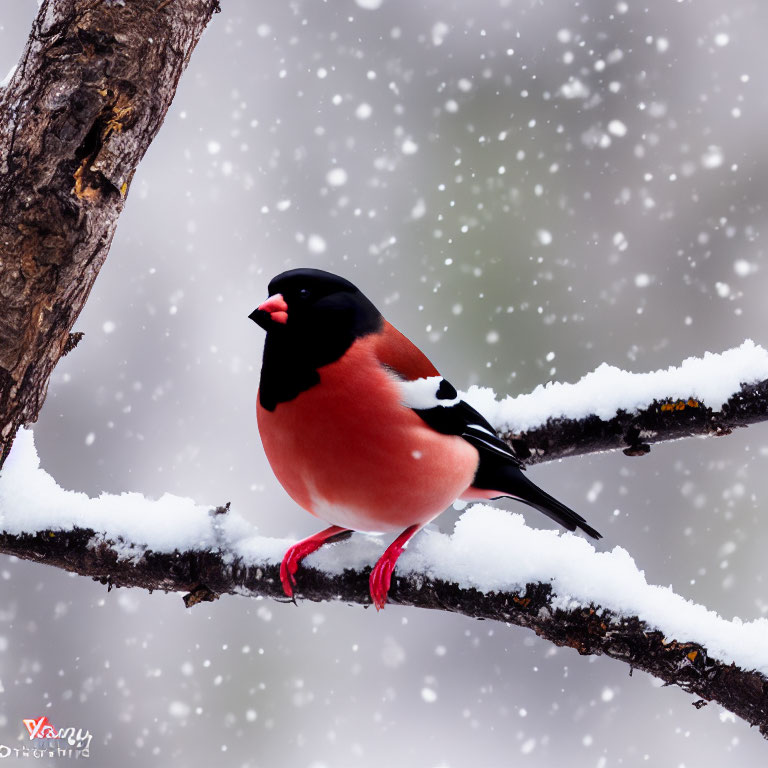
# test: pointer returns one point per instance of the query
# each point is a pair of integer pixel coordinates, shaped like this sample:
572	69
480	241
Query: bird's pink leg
381	575
306	547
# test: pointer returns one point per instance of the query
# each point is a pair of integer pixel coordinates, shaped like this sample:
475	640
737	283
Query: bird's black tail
509	480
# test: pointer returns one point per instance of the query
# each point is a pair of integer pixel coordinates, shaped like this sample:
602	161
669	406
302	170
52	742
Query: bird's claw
301	549
380	580
288	569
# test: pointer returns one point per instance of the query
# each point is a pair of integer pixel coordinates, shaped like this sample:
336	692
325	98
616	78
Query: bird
363	432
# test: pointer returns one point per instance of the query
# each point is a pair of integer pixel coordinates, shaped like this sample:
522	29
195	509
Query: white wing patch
431	398
421	394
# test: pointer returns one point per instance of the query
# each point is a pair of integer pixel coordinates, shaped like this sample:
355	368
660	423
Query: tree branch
635	432
204	575
90	92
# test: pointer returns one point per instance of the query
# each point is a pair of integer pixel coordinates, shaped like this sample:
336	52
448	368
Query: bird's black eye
304	293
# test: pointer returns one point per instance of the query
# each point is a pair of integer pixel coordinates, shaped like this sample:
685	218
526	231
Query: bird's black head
311	318
302	301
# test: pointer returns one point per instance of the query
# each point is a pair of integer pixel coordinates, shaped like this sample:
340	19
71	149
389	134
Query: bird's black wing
499	470
437	402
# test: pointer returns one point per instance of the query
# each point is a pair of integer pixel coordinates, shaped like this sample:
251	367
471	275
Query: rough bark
89	94
591	631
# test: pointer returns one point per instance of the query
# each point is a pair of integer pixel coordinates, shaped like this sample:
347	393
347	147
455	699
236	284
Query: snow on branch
611	408
493	566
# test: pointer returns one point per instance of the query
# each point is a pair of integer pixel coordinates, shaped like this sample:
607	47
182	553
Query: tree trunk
90	93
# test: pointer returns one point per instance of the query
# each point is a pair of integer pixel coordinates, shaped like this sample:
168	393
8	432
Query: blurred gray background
527	190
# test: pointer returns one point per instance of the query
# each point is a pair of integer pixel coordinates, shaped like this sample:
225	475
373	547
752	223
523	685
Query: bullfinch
363	432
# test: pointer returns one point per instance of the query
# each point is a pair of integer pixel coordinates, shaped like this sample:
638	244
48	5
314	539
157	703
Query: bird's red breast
348	451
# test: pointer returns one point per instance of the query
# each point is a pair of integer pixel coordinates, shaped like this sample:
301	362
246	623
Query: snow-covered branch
493	566
611	409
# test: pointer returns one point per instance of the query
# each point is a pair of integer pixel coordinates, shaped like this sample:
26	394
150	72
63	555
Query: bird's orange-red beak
273	310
